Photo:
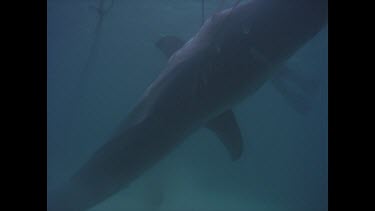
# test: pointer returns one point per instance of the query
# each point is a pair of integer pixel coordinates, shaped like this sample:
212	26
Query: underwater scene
187	105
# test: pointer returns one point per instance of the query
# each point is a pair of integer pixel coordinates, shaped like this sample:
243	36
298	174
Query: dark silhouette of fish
230	57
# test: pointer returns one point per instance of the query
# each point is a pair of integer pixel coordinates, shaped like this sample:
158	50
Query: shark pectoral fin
169	44
297	89
226	128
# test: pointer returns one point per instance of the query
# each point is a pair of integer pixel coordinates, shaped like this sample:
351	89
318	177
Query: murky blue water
284	165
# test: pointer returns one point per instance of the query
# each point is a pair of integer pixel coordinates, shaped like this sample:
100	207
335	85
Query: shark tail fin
298	89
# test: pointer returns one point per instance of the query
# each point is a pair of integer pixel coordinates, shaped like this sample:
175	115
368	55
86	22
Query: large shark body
231	56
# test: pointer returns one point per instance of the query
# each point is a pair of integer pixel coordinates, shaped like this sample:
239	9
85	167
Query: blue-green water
285	162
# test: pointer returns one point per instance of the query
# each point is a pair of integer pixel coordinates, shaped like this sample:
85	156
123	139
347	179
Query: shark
232	55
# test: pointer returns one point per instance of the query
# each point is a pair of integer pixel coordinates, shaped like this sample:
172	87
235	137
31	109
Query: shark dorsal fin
225	126
169	45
